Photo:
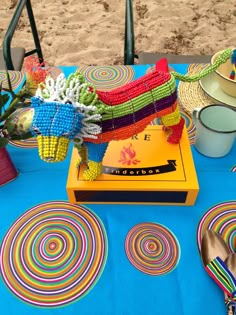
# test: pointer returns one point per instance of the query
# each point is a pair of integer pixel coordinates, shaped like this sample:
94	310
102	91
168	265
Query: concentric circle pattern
152	248
16	77
32	142
54	72
53	254
222	219
233	169
107	77
191	129
26	144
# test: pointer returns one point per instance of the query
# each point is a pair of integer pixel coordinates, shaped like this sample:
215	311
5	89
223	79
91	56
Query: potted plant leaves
14	125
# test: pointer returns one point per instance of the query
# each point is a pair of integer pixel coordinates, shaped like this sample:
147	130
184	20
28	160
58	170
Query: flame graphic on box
127	155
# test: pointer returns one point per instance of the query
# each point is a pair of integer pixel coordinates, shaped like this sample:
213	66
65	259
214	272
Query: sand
91	32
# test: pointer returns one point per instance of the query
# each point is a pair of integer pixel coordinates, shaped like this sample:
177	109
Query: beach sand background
91	32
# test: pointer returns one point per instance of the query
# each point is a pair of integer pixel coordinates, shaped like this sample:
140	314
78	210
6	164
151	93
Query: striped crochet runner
218	270
130	108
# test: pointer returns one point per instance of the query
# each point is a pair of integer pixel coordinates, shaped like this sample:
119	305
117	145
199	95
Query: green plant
12	126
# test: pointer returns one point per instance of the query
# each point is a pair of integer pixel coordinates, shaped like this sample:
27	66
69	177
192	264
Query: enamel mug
215	129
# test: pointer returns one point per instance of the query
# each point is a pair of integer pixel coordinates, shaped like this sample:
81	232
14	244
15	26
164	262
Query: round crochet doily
191	95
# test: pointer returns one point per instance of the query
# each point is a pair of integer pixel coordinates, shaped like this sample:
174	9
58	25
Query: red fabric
135	88
176	133
7	168
162	65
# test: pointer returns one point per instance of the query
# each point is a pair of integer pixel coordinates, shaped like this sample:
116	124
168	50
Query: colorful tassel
233	60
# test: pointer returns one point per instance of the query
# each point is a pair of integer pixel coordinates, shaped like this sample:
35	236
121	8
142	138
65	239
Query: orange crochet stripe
168	110
123	133
129	131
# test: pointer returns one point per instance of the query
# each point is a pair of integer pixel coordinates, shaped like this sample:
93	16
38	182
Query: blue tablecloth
122	288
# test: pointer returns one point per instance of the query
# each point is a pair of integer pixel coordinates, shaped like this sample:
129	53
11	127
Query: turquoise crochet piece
96	151
55	119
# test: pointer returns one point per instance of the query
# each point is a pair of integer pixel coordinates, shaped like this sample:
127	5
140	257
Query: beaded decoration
72	108
233	61
54	125
219	271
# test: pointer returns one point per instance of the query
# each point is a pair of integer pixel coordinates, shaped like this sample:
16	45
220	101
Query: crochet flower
11	103
36	73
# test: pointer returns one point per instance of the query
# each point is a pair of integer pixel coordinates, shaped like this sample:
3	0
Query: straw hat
191	95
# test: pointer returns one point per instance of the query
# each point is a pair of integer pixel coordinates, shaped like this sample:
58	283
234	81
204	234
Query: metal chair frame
150	58
11	30
129	34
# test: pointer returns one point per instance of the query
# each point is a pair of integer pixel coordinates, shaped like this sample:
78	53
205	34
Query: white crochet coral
74	90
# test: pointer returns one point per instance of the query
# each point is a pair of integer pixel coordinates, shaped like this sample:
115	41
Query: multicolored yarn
130	108
233	61
218	270
73	109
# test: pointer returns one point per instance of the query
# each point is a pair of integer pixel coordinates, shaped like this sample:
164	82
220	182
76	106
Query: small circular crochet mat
191	95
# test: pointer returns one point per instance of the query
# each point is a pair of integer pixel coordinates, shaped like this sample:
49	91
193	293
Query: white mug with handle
215	129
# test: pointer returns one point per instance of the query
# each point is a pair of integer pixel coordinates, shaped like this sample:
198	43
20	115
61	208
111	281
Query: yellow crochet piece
52	148
172	118
83	156
94	169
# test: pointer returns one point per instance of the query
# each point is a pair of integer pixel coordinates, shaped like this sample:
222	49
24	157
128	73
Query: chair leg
129	34
11	30
34	30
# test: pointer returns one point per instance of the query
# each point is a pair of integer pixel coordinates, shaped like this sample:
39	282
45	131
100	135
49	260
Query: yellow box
144	169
